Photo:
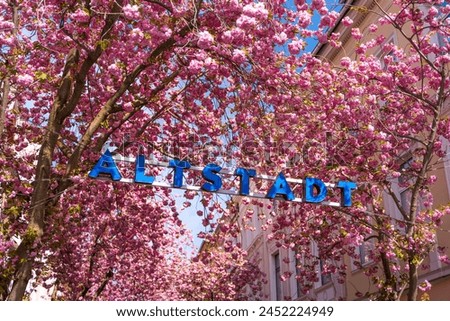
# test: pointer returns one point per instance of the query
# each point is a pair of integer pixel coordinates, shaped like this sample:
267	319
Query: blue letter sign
139	172
346	192
106	165
281	186
209	173
178	167
314	183
314	189
244	174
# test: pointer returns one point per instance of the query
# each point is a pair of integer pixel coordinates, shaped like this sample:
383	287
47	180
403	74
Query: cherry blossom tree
379	120
138	76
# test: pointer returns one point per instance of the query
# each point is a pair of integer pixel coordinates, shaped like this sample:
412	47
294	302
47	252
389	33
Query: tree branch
159	3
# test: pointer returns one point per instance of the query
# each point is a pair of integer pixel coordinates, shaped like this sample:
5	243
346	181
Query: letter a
281	186
106	165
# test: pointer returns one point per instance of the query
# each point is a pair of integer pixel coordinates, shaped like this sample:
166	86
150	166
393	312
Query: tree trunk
39	202
5	101
413	281
6	85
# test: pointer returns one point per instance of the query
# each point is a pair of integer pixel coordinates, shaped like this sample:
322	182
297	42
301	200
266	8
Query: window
387	53
277	265
386	56
364	252
443	36
325	278
404	182
297	272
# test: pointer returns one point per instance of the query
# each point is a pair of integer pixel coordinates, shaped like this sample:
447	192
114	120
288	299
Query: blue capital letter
178	167
346	192
210	174
281	186
245	174
139	172
309	185
106	165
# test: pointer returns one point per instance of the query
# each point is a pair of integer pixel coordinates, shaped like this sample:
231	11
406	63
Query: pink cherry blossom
347	21
205	40
296	46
